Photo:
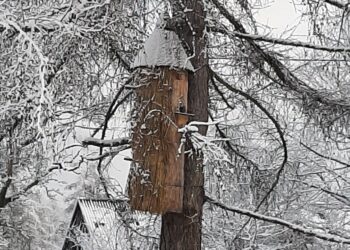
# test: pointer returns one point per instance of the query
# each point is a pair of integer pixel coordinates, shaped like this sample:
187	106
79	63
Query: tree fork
182	231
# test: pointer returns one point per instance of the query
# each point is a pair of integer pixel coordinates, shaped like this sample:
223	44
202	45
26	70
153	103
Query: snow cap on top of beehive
162	48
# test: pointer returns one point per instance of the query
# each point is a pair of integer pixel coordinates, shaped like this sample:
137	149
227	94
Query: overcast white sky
282	16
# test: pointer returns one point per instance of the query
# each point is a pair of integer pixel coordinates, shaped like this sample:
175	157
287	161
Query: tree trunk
183	230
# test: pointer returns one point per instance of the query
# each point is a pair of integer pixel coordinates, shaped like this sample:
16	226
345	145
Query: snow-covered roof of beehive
163	48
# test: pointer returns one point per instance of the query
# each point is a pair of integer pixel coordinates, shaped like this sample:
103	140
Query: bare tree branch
114	105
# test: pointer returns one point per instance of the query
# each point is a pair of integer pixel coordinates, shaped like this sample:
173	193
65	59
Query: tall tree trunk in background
183	231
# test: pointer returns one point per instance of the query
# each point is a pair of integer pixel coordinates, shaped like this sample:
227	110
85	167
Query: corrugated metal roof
163	48
101	217
111	226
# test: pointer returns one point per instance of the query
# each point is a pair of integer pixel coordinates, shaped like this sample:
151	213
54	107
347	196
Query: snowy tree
273	166
60	68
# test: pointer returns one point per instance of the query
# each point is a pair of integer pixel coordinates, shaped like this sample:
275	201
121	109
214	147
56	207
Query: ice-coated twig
205	144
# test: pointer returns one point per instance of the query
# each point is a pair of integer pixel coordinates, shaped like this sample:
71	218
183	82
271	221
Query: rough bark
9	171
182	231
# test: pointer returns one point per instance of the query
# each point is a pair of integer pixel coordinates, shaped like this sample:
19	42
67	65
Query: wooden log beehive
161	84
156	183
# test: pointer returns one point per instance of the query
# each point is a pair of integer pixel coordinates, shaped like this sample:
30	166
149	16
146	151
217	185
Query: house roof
100	217
104	223
98	211
163	48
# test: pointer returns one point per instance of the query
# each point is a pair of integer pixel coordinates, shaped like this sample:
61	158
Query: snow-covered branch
338	4
311	99
274	220
91	141
111	153
279	41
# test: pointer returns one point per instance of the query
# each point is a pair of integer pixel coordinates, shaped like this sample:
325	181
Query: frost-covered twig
205	144
42	68
346	165
230	147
